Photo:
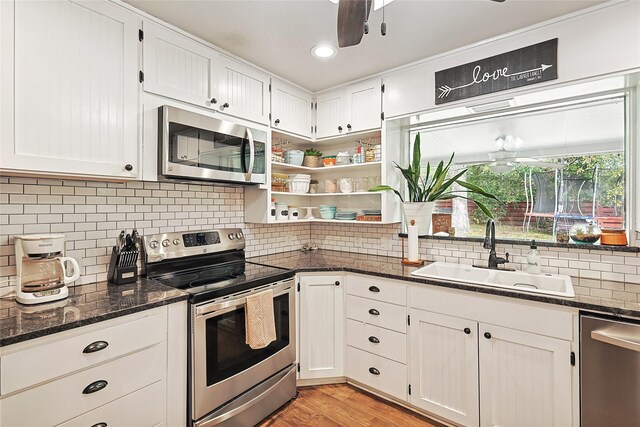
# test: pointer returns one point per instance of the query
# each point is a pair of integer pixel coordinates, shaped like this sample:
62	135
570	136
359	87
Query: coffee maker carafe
41	274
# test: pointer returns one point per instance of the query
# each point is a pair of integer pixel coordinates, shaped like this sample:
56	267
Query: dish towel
260	324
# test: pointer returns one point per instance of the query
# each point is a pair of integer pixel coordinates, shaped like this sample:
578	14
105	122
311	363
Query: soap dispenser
533	260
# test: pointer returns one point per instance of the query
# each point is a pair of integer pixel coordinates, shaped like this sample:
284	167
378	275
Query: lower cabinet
474	360
125	371
321	326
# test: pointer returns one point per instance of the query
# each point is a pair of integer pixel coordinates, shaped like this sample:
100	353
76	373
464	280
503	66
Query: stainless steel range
229	383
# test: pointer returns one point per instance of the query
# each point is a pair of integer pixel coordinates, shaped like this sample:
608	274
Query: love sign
525	66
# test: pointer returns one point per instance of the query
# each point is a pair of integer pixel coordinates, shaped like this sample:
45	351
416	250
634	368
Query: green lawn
511	232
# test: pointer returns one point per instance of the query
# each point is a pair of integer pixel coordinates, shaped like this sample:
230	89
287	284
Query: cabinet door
364	105
525	379
178	67
242	91
443	366
290	109
321	326
69	88
330	114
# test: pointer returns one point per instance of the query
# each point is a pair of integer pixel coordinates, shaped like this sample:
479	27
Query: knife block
123	267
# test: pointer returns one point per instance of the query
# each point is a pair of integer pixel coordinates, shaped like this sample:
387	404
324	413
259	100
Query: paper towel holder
405	261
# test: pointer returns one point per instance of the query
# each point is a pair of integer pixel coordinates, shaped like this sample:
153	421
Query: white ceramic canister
282	211
293	214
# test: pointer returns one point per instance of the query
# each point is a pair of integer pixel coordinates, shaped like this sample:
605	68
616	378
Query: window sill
631	249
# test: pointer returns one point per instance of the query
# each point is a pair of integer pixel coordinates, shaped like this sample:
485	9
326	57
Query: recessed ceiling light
323	51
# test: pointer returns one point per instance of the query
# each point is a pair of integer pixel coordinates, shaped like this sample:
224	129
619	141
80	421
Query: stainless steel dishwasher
610	372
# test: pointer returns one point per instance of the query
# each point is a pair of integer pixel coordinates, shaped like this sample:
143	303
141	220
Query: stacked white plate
299	183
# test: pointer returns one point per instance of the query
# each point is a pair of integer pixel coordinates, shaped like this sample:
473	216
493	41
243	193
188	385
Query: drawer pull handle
467	331
374	340
374	371
99	425
374	289
95	386
95	346
374	312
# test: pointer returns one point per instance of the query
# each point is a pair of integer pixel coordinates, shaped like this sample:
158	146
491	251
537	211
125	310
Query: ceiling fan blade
352	15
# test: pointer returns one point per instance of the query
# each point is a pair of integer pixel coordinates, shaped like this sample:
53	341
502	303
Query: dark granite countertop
391	268
85	305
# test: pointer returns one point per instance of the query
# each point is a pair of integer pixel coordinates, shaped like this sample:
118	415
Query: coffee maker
41	273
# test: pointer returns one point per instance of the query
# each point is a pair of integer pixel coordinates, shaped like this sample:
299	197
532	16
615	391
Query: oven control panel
181	244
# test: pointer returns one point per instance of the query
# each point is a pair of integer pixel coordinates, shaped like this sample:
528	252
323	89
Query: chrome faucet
490	243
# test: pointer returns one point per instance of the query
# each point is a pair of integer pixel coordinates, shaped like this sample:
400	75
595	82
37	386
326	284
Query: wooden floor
343	405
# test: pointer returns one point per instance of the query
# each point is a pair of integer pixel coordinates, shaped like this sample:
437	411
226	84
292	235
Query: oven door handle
237	302
252	155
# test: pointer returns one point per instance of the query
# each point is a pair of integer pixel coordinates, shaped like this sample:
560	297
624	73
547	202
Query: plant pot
420	212
312	161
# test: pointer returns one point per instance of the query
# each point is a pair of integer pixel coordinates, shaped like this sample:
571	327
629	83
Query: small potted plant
313	186
424	190
312	158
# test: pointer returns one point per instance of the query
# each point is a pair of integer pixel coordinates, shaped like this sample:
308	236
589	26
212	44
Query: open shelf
286	166
360	193
348	221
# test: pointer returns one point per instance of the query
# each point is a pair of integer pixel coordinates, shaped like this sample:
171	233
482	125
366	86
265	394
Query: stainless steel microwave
195	146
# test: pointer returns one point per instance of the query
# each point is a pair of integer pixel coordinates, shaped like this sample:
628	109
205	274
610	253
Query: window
551	166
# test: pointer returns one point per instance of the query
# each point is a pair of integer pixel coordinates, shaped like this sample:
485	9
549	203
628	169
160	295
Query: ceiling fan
353	16
505	159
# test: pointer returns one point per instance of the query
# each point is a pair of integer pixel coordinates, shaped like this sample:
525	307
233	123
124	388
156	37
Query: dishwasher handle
607	337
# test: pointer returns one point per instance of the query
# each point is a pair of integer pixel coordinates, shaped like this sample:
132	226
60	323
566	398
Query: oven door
223	365
201	147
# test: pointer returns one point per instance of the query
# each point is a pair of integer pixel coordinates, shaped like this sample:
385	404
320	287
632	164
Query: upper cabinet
242	91
184	69
290	109
178	67
69	88
354	108
330	117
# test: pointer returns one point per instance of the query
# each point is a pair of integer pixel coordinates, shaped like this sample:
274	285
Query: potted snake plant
423	190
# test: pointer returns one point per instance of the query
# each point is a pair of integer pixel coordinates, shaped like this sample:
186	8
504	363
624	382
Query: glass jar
346	185
585	233
330	185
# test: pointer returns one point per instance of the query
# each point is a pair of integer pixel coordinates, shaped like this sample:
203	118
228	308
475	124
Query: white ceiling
278	35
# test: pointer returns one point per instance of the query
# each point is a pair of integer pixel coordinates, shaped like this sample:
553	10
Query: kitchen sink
548	284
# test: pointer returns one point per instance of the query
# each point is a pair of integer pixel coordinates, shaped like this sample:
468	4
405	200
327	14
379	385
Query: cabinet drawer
144	407
63	399
377	372
380	290
376	340
389	316
55	358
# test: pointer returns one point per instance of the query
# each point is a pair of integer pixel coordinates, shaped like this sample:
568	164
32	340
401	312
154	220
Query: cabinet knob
374	371
225	105
339	128
374	340
349	126
95	386
374	289
374	312
467	331
95	346
128	167
487	335
277	122
214	101
337	283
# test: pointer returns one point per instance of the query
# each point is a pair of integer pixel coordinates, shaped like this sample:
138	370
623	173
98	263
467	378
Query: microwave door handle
252	154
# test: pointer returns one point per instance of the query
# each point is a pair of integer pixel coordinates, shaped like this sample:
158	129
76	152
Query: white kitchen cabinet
444	366
525	379
290	109
178	67
242	91
330	114
137	364
363	105
69	88
321	332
